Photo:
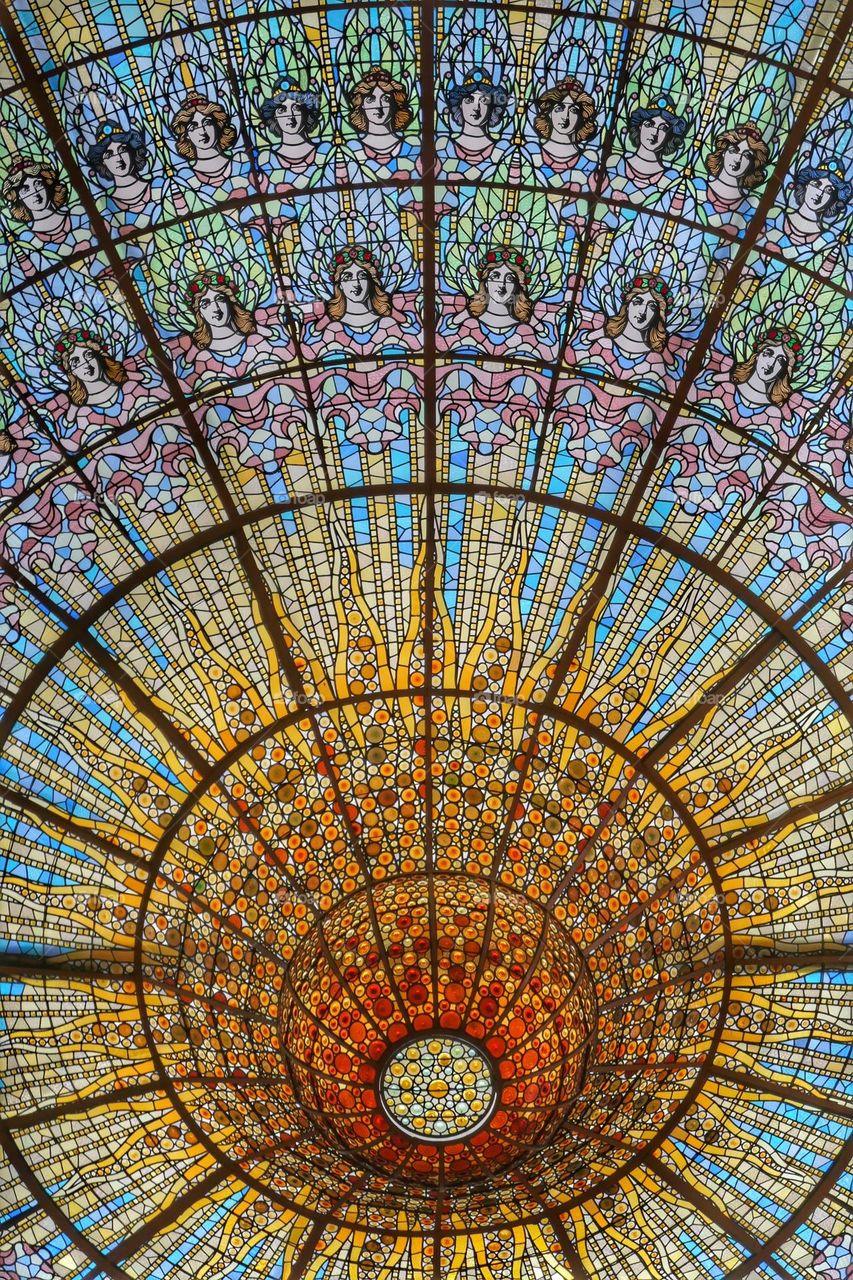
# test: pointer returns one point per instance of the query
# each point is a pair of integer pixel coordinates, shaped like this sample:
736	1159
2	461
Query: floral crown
196	101
207	280
569	85
750	131
653	283
351	253
505	255
787	337
73	337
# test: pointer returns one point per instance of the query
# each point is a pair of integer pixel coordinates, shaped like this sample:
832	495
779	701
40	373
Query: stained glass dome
425	549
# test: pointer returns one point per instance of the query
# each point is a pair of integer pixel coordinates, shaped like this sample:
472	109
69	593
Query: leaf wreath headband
351	253
207	280
511	257
786	337
652	283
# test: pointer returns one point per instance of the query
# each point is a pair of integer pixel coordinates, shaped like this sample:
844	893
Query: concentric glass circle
439	1088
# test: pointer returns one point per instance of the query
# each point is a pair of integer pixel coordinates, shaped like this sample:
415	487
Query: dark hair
677	126
130	138
843	191
498	98
308	102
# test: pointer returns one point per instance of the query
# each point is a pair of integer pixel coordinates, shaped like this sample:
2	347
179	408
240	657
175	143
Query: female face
202	132
33	194
818	194
355	283
85	365
378	106
565	118
501	285
118	160
475	108
738	160
770	362
215	309
290	118
642	311
654	134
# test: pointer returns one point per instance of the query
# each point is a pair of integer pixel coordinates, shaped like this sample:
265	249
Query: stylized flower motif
23	1262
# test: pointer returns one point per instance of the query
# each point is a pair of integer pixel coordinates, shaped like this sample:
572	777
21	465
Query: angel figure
751	116
375	63
808	224
780	349
640	309
506	297
194	99
563	103
663	88
213	304
38	217
352	274
476	77
284	77
109	129
359	314
82	358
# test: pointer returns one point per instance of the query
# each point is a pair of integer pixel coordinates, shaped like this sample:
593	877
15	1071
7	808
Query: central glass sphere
438	1087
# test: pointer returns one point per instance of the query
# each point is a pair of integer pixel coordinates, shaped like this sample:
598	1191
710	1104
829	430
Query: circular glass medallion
439	1088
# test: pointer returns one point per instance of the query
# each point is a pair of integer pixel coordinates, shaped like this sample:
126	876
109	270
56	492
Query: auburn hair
226	134
780	390
551	98
521	305
242	319
656	334
760	155
113	370
57	191
376	78
380	301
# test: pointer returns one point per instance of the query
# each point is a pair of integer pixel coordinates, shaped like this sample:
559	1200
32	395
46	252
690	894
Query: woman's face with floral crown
33	194
290	118
501	285
118	159
654	134
378	105
565	117
771	361
85	365
738	159
818	194
355	283
202	132
214	307
642	311
474	108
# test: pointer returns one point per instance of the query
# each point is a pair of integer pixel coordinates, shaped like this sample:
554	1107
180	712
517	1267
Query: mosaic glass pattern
437	1088
426	521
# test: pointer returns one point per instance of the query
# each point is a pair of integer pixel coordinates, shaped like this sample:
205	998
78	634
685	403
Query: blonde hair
243	320
377	78
521	305
655	335
114	371
57	192
380	301
760	155
225	131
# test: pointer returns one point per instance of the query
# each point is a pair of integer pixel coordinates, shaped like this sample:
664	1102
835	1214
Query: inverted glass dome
426	513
